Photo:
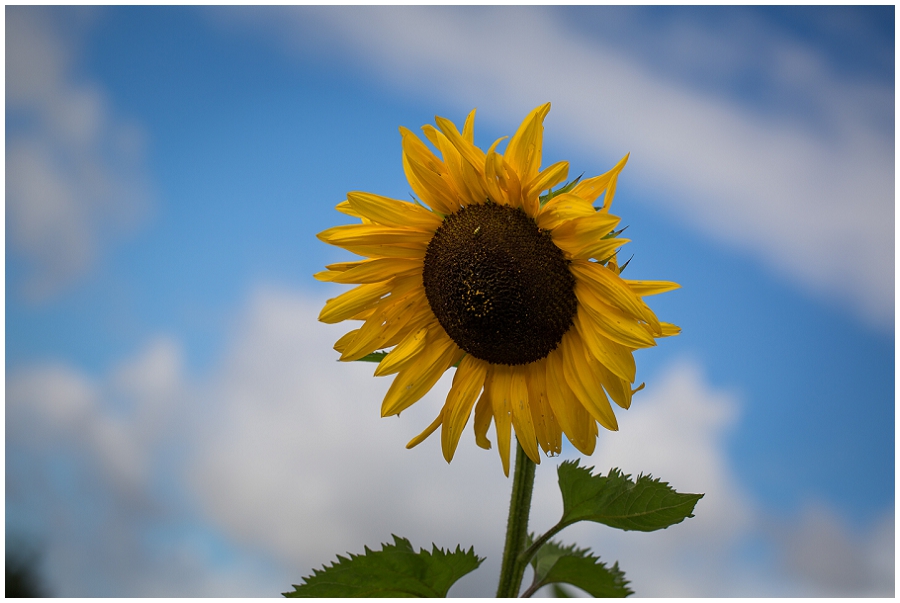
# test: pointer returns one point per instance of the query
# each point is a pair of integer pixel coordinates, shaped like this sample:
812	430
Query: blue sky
176	423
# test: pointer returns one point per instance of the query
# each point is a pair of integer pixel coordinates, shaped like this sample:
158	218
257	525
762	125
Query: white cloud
834	560
676	430
278	460
75	173
806	188
297	460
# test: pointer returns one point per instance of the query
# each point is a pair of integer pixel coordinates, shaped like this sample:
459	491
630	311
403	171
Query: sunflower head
519	290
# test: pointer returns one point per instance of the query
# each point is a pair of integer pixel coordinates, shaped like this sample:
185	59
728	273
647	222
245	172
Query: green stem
513	567
528	553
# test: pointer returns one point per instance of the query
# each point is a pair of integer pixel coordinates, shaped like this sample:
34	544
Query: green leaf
373	357
554	563
615	233
615	500
560	593
394	571
563	189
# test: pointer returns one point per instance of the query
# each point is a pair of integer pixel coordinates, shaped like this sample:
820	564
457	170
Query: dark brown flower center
498	285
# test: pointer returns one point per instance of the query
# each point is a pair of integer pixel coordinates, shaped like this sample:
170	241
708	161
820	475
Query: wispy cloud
278	460
74	171
799	172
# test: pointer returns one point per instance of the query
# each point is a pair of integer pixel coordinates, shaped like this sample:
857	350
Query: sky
176	420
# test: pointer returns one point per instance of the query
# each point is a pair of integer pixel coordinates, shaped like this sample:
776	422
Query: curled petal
592	188
484	412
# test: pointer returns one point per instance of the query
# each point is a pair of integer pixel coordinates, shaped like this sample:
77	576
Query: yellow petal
423	171
392	212
395	313
468	133
484	412
467	182
344	266
364	314
523	153
333	270
500	390
468	151
562	208
585	230
558	394
373	271
435	189
500	187
344	208
467	383
614	323
582	378
413	382
405	351
325	275
428	431
592	188
450	157
347	304
602	251
668	329
610	354
609	287
388	250
617	388
345	340
574	420
548	178
587	430
368	234
644	288
521	413
546	427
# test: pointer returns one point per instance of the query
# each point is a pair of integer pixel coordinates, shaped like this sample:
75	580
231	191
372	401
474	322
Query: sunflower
520	291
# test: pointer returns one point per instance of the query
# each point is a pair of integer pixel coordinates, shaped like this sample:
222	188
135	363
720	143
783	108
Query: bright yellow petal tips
563	208
391	212
608	286
525	299
472	154
520	411
484	412
348	304
592	188
581	375
547	179
614	324
427	432
523	153
501	384
372	271
467	384
414	381
405	352
643	288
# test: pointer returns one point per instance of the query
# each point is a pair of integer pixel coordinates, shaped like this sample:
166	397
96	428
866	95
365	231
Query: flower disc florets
498	285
